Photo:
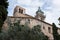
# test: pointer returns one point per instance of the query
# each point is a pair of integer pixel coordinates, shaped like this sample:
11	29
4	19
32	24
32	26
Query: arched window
20	11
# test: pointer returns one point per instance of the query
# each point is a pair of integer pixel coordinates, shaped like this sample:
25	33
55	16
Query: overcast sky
51	8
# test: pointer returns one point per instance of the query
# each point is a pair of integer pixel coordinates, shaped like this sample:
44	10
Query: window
49	29
43	27
20	11
29	20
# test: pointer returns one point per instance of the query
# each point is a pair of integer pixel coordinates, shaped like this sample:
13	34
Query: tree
55	33
23	32
37	34
3	11
18	32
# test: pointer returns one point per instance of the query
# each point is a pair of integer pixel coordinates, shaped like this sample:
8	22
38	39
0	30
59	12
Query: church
20	15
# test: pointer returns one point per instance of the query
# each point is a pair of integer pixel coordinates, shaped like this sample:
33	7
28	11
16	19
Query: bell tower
18	10
40	14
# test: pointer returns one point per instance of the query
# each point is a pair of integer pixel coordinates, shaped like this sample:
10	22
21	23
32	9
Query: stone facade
19	15
58	31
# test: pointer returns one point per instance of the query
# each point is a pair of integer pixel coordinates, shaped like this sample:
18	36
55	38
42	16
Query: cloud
22	2
31	3
56	2
11	6
51	8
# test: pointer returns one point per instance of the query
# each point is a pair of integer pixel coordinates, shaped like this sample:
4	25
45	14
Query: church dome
39	11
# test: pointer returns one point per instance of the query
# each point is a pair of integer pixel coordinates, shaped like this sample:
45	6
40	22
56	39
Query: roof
19	7
31	18
39	10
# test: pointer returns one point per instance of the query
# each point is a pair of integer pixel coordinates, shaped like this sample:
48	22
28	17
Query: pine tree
3	11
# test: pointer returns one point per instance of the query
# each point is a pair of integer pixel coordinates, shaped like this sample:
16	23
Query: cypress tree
55	33
3	11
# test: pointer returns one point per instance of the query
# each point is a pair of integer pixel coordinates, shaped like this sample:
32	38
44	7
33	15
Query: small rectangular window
49	29
43	27
19	10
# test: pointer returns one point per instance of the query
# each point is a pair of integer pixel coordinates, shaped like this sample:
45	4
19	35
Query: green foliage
3	11
23	32
55	33
4	36
36	34
18	32
4	3
54	29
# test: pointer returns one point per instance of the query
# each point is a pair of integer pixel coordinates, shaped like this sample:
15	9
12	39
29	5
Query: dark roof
39	10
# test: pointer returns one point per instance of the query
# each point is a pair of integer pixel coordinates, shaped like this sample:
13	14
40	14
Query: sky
51	8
